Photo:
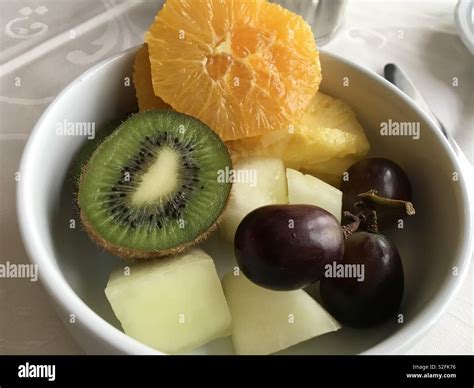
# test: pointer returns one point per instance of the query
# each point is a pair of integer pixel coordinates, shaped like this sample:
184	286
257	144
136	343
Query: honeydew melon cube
266	321
259	181
308	190
173	305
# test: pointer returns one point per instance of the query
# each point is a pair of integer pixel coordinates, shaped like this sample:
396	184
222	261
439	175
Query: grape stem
349	229
373	196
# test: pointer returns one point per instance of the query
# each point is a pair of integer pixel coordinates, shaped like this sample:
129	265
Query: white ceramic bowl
75	271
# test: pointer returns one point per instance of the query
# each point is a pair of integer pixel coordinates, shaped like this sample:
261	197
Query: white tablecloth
46	44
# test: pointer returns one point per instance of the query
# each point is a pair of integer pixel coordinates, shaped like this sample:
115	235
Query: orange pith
244	67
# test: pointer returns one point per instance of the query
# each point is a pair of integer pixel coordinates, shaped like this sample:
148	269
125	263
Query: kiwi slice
81	158
151	189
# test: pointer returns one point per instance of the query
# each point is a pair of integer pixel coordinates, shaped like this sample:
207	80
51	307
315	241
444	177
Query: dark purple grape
286	247
363	301
385	177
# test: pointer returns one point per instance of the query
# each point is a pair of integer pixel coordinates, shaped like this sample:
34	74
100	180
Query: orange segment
143	85
244	67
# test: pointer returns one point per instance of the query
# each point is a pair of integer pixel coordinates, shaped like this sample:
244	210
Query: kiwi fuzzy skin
140	254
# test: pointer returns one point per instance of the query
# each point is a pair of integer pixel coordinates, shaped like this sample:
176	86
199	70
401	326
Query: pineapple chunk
260	182
331	171
173	305
266	321
308	190
328	130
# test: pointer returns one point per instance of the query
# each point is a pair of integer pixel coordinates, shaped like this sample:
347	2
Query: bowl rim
64	296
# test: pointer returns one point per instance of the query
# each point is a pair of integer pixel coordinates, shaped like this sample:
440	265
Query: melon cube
266	321
173	305
259	182
308	190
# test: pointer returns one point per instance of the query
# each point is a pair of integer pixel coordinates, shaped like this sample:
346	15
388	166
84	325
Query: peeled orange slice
244	67
143	86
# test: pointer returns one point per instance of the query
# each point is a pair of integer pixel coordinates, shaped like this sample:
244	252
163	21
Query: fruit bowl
435	246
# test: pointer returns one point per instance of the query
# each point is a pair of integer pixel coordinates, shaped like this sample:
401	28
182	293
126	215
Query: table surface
46	44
